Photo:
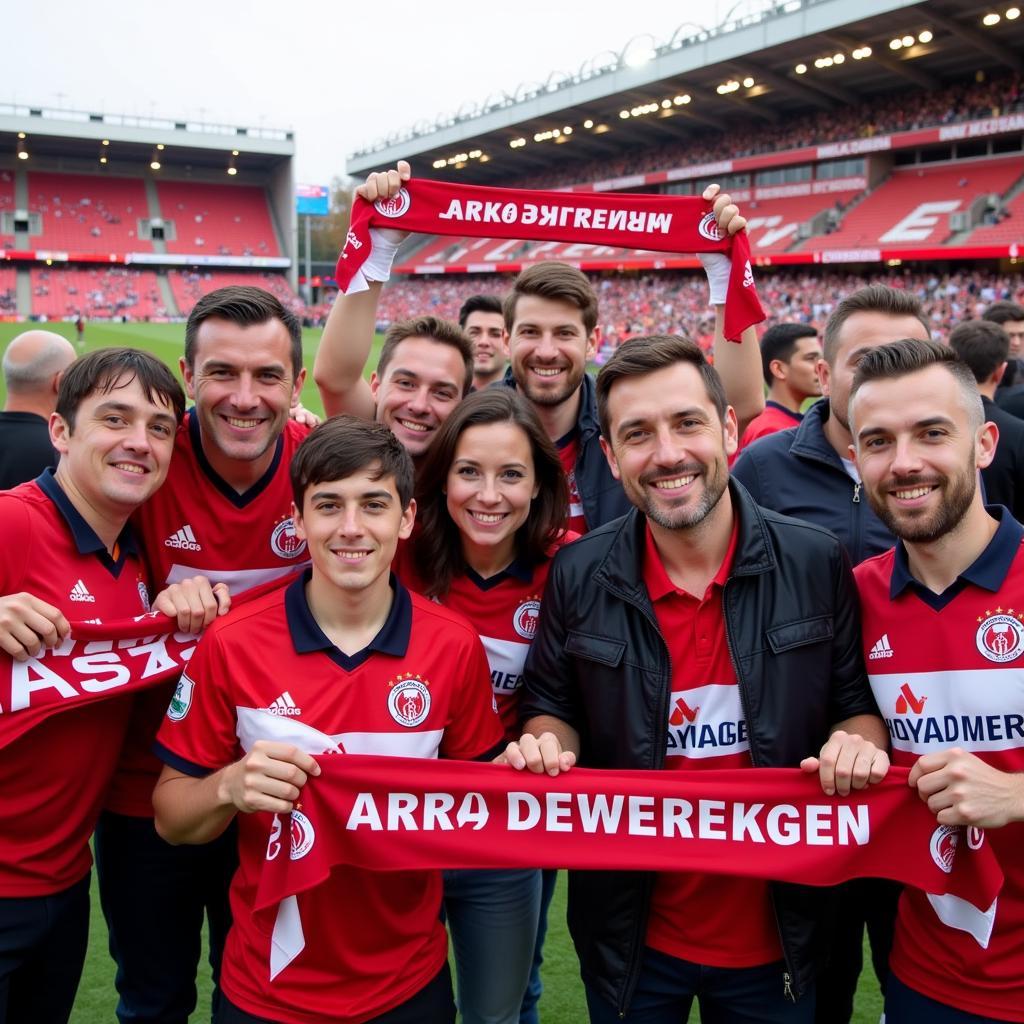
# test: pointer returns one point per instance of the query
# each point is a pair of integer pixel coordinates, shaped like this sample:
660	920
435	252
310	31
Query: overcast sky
340	74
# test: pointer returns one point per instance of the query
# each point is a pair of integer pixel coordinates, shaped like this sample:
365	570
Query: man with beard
953	701
697	600
481	320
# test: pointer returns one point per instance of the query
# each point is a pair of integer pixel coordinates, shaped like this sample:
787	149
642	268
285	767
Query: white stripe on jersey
979	710
505	658
706	721
238	580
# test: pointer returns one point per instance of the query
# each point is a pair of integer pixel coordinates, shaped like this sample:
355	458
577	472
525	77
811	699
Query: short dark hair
344	445
100	371
433	328
438	552
640	356
479	304
246	306
779	342
557	281
911	355
982	344
874	298
1003	310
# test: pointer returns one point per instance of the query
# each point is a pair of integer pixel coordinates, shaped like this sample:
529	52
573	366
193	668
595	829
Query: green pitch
563	1001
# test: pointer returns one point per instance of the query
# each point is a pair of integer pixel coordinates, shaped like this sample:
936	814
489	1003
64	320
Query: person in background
480	317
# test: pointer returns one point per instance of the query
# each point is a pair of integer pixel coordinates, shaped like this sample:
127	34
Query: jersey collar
988	571
236	499
520	569
307	636
86	540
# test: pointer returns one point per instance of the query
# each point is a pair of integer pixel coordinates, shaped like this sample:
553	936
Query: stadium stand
86	213
188	286
8	296
1007	226
6	204
774	224
110	292
912	207
229	220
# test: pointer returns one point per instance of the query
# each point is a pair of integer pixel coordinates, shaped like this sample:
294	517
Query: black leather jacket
599	663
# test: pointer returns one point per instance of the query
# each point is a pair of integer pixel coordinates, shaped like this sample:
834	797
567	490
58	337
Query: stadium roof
744	71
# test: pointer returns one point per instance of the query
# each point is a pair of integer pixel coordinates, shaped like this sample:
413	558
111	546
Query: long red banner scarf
399	814
657	222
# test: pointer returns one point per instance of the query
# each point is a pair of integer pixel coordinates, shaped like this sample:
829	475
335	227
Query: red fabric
568	452
657	222
774	418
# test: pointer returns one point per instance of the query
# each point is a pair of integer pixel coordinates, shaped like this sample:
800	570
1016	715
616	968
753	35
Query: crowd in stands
113	292
965	101
189	286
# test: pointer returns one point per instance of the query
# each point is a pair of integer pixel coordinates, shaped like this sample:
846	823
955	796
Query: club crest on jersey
303	835
944	842
284	541
395	206
182	699
409	701
975	837
524	621
144	595
708	228
1000	637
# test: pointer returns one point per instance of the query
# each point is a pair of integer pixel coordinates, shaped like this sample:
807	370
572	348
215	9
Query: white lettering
600	219
558	808
435	811
107	665
641	816
474	209
784	833
819	825
491	215
581	218
600	812
712	817
637	220
516	804
548	216
920	222
855	823
529	213
400	812
23	685
509	213
617	220
364	812
659	222
473	810
675	817
454	211
744	822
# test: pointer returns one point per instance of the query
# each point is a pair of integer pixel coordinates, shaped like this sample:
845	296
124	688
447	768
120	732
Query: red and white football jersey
54	778
197	524
568	451
948	671
370	941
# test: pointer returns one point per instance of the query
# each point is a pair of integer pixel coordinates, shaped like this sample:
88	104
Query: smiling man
481	318
661	615
955	703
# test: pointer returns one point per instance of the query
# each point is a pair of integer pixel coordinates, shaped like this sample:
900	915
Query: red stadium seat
6	205
188	286
110	292
86	213
226	220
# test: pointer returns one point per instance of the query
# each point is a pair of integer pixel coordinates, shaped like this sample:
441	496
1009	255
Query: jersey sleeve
16	530
197	735
474	729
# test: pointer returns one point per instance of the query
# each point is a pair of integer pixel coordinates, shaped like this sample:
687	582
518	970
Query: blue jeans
727	995
492	919
529	1012
904	1005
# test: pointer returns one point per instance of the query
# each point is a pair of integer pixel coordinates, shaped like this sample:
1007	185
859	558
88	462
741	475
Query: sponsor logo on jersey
708	228
1000	637
706	721
881	648
284	541
409	701
524	621
303	835
80	592
183	539
283	706
395	206
182	699
908	703
944	842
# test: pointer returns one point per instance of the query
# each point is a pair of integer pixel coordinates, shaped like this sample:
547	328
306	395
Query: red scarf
658	222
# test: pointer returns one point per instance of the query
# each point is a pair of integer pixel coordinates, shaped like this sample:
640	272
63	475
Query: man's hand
847	761
268	778
538	754
27	625
961	789
303	416
385	185
193	602
726	211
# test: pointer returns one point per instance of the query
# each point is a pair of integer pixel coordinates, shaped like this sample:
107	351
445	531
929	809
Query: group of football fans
530	566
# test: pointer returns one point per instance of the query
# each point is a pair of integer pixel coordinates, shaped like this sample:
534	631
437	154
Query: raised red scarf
400	814
658	222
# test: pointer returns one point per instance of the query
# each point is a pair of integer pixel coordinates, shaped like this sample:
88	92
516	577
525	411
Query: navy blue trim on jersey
307	636
520	569
180	764
796	417
236	499
567	439
86	540
988	571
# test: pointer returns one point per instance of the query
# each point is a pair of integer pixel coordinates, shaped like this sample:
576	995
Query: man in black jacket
697	602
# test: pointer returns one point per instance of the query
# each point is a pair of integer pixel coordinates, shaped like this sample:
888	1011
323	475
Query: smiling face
487	333
490	485
118	452
243	387
418	390
918	449
800	373
549	347
669	448
352	527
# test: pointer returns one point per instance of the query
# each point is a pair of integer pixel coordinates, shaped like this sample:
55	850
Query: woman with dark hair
491	508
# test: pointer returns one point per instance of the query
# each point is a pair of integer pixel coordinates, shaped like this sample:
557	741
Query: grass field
562	1002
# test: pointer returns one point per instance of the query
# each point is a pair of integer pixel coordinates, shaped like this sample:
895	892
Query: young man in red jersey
69	554
481	318
225	514
344	659
944	645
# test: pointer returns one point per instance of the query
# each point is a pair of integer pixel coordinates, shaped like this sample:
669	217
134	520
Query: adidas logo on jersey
284	706
881	649
184	539
79	592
